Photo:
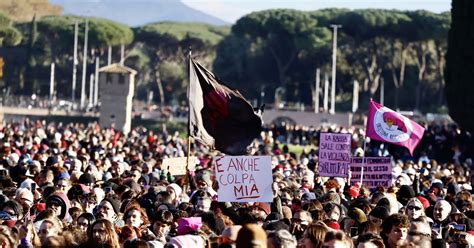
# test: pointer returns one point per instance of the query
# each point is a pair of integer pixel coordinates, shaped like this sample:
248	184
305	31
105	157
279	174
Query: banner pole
363	160
189	108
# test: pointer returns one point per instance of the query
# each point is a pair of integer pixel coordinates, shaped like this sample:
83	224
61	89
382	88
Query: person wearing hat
13	209
299	222
188	225
108	209
203	179
25	198
175	192
86	179
404	194
261	210
59	203
63	184
377	215
52	161
307	198
357	215
251	235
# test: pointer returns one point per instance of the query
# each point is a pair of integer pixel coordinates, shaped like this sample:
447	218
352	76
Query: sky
231	10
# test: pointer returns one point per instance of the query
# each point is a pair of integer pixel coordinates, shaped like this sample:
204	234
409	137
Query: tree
460	64
271	47
9	36
25	10
165	45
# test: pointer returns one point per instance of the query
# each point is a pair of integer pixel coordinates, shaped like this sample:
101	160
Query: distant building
116	89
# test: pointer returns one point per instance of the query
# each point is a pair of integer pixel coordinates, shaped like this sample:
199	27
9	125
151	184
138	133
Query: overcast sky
231	10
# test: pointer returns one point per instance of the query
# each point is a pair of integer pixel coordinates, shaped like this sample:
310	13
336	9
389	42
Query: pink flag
386	125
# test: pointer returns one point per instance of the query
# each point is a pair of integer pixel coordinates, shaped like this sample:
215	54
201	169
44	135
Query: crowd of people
76	185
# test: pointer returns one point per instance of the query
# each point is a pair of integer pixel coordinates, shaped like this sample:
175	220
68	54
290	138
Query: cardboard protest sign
334	154
377	171
244	178
177	166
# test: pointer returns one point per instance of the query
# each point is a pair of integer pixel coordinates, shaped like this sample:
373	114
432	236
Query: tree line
262	52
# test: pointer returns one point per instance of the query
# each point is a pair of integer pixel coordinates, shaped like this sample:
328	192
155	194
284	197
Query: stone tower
116	87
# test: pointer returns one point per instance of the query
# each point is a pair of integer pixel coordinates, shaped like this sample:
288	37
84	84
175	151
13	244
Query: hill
137	12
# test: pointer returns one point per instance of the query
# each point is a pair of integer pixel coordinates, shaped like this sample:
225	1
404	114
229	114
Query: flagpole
363	153
189	109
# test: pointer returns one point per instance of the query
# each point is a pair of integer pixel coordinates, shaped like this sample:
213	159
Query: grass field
298	149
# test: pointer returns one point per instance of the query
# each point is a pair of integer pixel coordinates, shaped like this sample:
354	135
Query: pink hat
186	241
354	191
186	225
423	201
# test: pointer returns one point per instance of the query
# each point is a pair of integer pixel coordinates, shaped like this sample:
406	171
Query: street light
278	96
333	79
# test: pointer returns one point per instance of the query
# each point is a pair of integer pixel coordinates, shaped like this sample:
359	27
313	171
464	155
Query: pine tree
30	79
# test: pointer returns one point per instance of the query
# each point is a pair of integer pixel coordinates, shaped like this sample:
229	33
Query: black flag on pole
219	116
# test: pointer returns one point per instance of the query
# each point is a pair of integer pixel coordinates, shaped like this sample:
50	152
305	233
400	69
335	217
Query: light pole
334	57
316	91
279	96
74	66
84	66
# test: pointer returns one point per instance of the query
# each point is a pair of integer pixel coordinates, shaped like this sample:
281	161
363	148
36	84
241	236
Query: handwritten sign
377	171
177	166
334	154
244	178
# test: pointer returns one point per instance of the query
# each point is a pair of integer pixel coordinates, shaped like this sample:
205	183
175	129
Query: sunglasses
414	208
54	203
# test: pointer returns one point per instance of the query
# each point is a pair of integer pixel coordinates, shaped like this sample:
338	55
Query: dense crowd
81	185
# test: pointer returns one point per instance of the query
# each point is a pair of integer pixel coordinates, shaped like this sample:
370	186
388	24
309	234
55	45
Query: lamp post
334	61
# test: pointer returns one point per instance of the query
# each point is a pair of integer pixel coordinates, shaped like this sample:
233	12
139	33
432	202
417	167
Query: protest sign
377	171
177	166
244	178
334	154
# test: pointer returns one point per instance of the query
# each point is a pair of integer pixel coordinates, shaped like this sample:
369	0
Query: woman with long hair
102	234
414	209
135	216
84	221
313	237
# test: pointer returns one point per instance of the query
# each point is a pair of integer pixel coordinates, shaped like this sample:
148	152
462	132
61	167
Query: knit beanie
405	193
380	212
438	187
251	235
384	202
114	202
205	175
358	215
176	189
423	201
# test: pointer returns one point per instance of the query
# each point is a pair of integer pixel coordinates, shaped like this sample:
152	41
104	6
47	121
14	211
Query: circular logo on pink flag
391	126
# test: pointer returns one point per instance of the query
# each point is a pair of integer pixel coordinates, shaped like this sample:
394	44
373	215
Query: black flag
219	116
